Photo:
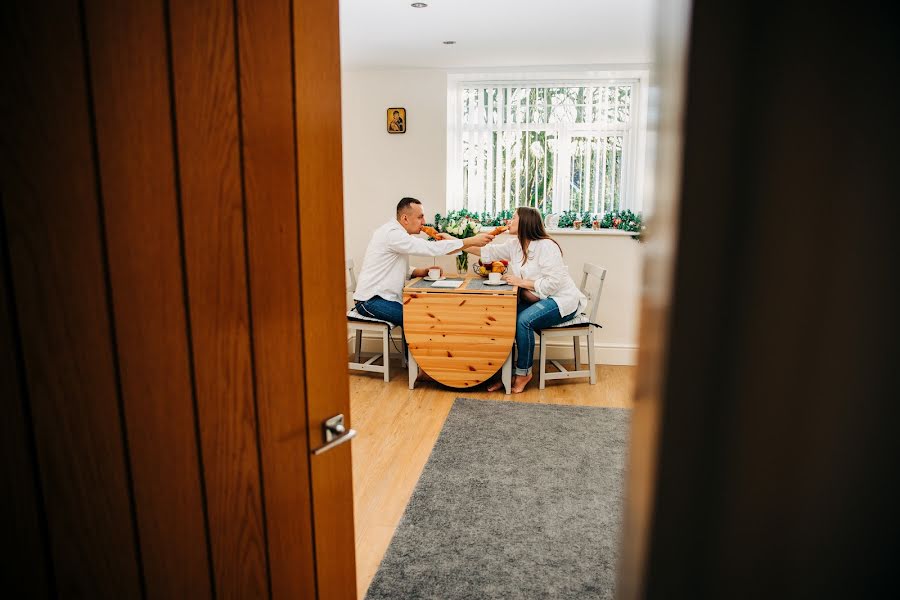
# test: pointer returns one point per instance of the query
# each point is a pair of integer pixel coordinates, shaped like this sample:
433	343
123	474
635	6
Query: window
553	145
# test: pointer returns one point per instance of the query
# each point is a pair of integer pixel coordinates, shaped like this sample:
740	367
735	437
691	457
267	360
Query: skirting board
607	354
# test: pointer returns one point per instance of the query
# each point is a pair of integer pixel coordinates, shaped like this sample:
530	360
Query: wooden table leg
506	372
413	370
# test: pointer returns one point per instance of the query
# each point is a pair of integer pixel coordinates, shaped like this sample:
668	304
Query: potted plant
624	220
565	220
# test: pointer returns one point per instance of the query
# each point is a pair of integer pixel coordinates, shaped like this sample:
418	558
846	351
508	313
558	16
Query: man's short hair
404	205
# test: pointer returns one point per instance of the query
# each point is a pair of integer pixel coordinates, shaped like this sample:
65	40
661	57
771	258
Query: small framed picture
396	120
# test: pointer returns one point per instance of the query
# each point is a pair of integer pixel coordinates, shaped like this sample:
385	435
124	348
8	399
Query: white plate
489	282
427	278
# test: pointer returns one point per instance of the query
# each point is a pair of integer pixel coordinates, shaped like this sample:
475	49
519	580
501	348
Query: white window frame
634	146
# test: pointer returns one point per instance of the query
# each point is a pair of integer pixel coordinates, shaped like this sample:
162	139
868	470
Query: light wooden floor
398	427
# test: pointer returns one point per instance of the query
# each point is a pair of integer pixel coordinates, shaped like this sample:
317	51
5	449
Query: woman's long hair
531	227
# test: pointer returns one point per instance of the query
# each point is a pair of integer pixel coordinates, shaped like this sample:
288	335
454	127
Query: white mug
494	277
434	273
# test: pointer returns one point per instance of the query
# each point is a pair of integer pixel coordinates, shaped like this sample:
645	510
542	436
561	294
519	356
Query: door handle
335	434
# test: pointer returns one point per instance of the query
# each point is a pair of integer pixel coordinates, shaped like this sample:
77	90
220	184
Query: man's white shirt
385	266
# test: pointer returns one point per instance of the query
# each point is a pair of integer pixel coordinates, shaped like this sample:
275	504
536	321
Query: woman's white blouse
544	266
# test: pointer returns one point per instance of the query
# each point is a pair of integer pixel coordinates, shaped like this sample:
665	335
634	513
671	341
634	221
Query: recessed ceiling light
418	5
449	42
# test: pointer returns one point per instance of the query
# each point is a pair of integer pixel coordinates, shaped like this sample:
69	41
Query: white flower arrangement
463	227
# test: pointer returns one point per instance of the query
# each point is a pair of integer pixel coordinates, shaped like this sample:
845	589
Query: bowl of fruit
485	269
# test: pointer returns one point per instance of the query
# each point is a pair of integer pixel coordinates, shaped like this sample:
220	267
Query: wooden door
764	450
168	343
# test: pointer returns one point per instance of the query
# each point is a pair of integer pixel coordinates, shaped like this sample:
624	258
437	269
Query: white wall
380	168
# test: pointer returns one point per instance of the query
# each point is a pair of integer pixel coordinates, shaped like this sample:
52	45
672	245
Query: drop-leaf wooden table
460	337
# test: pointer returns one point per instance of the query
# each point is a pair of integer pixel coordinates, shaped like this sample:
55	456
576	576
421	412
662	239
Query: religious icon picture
396	120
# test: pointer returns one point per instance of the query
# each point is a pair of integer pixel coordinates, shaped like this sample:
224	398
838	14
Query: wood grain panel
317	73
459	339
264	35
26	566
439	347
206	106
128	60
50	200
452	350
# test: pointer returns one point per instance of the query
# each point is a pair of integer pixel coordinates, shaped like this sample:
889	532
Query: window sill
573	231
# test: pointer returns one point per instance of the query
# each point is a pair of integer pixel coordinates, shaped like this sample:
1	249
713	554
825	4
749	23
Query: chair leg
385	335
412	370
591	360
543	363
577	343
403	351
506	371
358	345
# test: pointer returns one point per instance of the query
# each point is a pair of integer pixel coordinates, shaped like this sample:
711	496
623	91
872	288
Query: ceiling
494	33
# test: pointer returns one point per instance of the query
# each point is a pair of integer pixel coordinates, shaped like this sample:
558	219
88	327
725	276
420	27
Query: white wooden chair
357	324
580	326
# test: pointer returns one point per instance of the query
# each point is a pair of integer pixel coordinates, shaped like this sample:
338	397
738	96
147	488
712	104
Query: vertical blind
555	147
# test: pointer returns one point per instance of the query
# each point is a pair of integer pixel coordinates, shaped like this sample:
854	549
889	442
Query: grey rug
516	501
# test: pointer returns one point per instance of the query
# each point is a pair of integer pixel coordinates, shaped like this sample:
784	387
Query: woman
547	294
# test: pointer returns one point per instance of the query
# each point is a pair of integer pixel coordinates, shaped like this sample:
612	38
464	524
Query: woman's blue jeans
379	308
540	315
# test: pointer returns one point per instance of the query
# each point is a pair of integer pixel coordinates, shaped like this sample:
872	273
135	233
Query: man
385	266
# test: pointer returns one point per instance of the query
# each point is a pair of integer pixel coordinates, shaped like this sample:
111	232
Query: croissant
431	231
499	230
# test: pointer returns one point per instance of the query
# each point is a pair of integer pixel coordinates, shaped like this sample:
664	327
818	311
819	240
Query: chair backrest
596	275
351	282
351	275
